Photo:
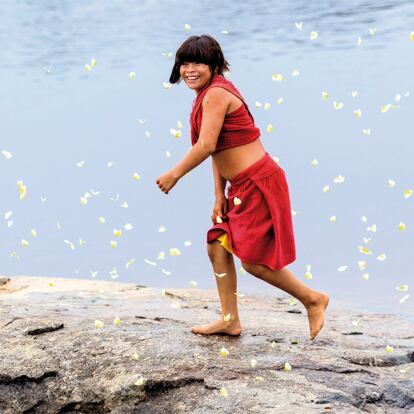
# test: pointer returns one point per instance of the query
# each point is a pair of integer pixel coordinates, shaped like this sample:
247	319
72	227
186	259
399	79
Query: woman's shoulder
217	97
218	93
217	90
220	90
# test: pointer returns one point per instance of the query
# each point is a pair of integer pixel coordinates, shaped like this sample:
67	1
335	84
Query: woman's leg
315	302
223	262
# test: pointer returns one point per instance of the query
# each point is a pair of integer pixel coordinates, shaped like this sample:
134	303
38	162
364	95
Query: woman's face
195	74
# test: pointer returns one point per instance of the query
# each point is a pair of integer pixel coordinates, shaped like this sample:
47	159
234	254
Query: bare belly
231	161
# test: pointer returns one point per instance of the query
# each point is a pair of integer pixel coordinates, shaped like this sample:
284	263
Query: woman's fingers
214	216
220	210
218	213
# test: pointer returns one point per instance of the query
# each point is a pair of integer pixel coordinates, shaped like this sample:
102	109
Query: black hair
203	49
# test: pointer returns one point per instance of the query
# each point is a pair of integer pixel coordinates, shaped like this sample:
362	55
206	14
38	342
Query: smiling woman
255	221
200	50
195	74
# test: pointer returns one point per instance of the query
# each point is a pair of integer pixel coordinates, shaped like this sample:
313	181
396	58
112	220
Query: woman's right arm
219	181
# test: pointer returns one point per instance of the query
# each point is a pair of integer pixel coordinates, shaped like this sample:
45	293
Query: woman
254	222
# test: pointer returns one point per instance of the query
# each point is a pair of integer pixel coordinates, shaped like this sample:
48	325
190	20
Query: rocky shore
87	346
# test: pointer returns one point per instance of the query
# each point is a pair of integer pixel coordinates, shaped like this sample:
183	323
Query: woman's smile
195	74
193	78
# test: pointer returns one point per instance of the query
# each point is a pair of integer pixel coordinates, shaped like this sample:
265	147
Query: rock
54	360
294	311
385	361
44	329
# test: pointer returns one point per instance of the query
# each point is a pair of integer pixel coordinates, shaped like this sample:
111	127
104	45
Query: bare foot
219	327
316	313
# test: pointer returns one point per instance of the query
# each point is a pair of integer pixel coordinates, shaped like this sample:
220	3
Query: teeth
192	77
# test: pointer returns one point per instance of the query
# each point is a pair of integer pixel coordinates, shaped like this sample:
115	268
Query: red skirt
258	222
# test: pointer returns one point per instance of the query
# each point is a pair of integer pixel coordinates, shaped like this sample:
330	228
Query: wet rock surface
54	360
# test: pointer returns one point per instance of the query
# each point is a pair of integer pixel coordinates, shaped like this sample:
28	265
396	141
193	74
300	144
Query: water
55	114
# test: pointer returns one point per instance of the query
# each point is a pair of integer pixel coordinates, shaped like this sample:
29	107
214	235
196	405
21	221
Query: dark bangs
203	49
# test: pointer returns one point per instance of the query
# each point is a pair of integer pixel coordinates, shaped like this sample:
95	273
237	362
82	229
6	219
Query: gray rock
44	328
54	360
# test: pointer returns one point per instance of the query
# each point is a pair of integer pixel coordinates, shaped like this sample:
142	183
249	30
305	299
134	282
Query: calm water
55	114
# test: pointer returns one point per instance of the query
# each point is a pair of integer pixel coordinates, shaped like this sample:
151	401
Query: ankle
313	299
234	318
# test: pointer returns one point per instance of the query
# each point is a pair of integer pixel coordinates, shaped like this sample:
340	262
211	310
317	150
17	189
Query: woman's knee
253	269
216	251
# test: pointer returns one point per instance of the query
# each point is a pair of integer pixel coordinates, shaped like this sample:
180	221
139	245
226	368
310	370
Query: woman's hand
220	207
167	181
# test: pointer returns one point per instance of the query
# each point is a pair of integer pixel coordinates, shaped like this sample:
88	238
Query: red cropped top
238	126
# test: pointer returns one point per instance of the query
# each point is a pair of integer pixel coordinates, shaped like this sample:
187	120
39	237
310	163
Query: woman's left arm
215	105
